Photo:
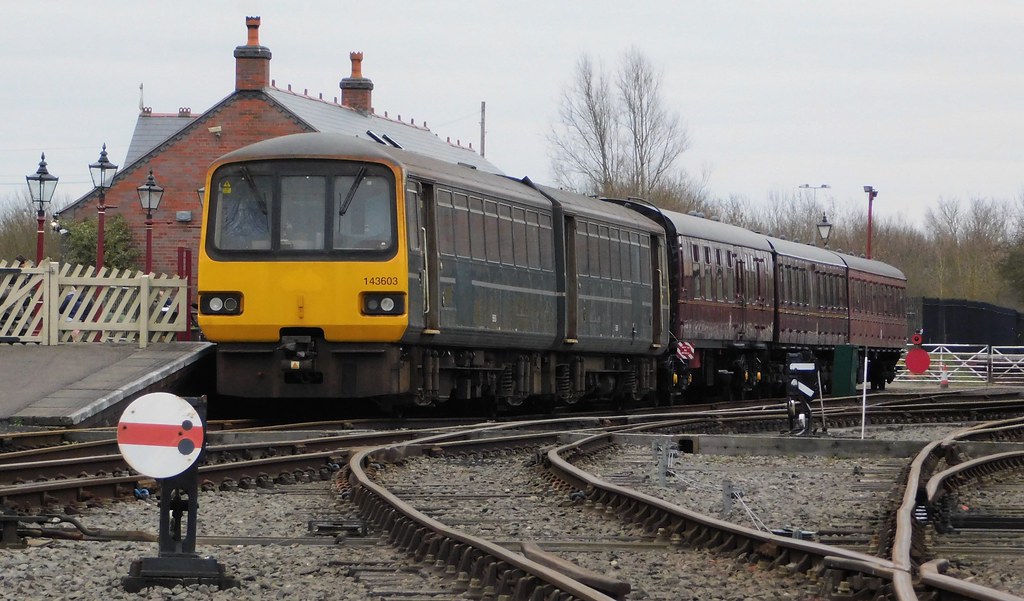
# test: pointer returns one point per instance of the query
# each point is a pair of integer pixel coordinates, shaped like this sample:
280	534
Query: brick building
179	147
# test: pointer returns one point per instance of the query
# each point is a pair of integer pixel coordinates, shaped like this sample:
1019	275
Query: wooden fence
56	303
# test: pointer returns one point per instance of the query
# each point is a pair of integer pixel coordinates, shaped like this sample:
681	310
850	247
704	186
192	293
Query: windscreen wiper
352	191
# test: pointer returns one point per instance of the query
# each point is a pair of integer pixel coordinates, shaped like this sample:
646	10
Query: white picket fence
969	364
56	303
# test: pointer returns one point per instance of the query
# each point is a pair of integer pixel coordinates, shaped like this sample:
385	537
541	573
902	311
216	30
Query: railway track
500	563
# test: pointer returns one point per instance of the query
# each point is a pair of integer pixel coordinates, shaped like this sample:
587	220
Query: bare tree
621	141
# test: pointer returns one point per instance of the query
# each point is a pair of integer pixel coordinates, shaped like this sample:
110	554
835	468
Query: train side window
477	241
519	235
634	256
461	210
546	240
707	255
720	284
505	233
493	250
533	236
582	249
614	254
445	221
696	253
625	250
718	256
696	280
645	260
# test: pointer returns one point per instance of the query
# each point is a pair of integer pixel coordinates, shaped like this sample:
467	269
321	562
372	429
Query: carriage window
614	255
505	233
696	253
413	208
533	239
645	260
491	227
707	255
582	249
519	236
546	253
461	210
477	242
445	220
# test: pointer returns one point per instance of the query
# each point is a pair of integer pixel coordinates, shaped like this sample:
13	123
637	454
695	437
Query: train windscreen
301	208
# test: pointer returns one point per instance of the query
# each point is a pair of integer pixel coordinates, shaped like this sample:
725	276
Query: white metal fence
58	303
969	364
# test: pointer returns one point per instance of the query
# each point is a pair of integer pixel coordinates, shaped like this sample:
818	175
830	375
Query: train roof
588	206
800	250
320	145
716	231
871	266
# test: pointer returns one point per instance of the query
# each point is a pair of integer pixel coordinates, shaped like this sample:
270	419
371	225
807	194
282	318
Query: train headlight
220	303
383	304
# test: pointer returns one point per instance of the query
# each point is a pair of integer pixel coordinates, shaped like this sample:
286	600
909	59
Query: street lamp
824	229
102	172
815	188
41	187
150	195
872	193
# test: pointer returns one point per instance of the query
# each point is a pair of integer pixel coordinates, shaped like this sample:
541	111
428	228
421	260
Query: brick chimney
252	61
356	91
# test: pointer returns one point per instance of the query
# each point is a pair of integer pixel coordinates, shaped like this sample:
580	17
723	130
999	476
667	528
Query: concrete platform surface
69	383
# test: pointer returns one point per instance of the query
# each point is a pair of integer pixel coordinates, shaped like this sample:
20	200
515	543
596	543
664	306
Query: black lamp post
824	229
102	172
150	195
872	193
41	187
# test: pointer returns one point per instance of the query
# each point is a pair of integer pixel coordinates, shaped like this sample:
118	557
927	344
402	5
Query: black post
177	562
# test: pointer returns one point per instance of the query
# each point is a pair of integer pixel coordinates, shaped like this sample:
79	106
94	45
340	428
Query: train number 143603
381	280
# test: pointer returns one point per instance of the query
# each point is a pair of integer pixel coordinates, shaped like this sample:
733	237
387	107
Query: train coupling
299	353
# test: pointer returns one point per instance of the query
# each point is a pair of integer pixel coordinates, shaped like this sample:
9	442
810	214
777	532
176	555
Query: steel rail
482	567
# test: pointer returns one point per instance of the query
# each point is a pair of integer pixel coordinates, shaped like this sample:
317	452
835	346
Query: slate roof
153	129
328	117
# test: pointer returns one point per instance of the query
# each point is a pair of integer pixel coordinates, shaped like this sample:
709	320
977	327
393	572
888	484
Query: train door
738	265
658	286
430	264
573	253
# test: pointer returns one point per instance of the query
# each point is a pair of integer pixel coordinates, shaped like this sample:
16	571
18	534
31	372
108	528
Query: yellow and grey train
333	267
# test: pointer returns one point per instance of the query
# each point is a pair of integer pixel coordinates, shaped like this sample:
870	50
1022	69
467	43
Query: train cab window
505	233
413	210
243	209
362	211
302	211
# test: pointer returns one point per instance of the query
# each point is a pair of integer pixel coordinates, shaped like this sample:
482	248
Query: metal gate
969	364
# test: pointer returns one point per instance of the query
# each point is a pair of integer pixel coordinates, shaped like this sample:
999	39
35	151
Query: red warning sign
918	360
160	435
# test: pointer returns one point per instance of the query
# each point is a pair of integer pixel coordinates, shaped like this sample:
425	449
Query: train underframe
394	376
762	371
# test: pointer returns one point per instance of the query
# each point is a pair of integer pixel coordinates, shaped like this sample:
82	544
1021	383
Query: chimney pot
252	61
356	91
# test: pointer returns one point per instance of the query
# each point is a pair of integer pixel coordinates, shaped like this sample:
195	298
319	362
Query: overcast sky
922	100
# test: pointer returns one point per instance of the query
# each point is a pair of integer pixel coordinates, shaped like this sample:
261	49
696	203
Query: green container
844	371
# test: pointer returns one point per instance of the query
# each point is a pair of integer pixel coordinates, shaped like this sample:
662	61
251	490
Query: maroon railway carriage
878	317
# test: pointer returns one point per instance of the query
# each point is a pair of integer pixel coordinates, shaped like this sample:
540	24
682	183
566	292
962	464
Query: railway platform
84	384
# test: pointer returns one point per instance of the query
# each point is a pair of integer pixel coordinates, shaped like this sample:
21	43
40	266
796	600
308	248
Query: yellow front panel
326	295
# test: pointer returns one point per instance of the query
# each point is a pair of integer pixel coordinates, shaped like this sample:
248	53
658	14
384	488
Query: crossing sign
160	435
